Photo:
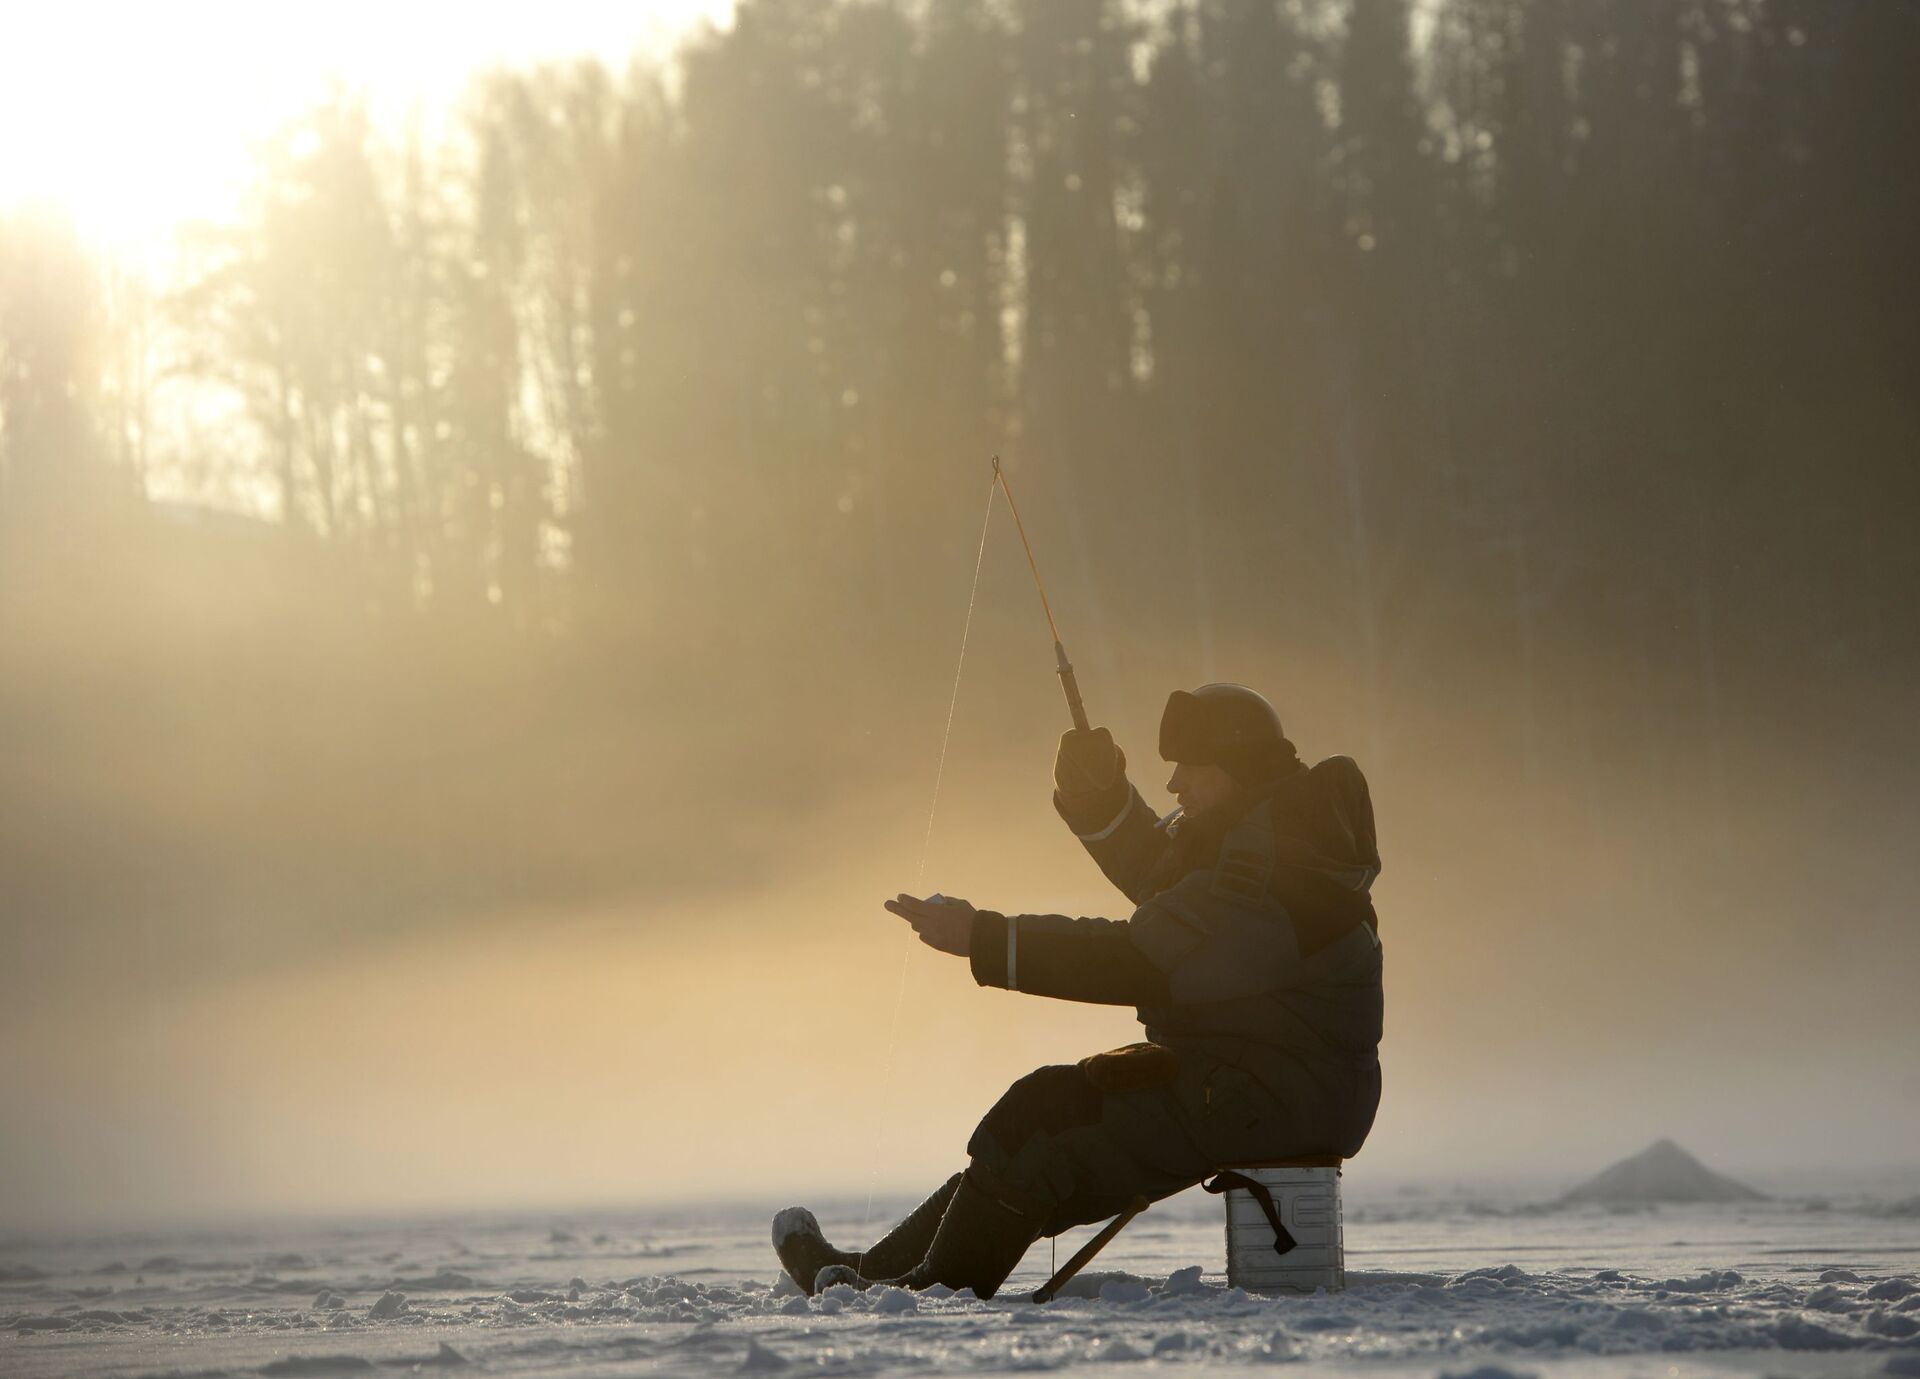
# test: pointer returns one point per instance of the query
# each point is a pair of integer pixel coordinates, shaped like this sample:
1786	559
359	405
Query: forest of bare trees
1459	348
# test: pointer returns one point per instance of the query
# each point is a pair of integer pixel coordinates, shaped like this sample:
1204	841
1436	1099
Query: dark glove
1089	763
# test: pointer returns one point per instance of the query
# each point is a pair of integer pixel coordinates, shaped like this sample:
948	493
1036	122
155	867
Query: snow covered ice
1440	1283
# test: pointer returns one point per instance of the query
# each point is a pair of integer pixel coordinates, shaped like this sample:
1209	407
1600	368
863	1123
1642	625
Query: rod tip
996	464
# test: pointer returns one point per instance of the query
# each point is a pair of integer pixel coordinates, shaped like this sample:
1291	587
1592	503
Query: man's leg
906	1244
804	1251
986	1230
1086	1152
1055	1151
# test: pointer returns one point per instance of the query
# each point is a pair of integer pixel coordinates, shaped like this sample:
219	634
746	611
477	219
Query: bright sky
136	116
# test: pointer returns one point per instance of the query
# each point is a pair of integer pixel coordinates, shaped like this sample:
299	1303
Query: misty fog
476	642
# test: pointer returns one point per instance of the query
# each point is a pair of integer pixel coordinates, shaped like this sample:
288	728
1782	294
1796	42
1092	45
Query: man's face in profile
1198	789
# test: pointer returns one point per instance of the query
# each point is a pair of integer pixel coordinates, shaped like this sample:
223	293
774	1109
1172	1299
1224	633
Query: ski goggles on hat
1189	732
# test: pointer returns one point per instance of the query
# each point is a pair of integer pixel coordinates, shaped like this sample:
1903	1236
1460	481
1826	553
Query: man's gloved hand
1088	764
944	922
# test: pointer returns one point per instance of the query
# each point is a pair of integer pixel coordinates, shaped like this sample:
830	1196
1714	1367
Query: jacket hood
1323	822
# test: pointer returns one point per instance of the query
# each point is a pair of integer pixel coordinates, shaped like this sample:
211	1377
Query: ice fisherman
1254	962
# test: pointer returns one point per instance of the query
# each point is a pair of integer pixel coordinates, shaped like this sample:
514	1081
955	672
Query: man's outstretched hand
943	923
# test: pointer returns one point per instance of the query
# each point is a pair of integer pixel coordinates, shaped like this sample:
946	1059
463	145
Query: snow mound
302	1366
1183	1281
1662	1172
888	1301
760	1360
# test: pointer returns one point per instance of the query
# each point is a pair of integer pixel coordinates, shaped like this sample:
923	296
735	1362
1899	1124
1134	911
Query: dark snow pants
1080	1153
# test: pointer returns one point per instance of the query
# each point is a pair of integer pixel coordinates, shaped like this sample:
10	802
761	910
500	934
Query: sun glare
132	119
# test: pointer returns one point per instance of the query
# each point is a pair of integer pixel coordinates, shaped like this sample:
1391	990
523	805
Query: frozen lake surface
1440	1283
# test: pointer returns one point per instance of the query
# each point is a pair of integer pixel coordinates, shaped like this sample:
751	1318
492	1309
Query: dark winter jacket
1255	942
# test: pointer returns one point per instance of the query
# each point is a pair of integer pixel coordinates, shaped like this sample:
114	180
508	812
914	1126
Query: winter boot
804	1250
986	1230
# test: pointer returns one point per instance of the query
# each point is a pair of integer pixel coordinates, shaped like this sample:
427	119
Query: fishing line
953	702
933	808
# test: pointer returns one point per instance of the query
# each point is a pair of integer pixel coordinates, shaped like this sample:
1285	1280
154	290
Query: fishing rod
1062	665
1071	688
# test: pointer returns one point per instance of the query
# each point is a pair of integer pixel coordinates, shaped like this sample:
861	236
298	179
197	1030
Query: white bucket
1308	1202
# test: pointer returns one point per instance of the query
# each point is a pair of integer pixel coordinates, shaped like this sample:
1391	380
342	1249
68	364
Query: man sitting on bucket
1253	958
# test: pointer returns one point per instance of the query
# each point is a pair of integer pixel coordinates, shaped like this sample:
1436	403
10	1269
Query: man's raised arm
1092	793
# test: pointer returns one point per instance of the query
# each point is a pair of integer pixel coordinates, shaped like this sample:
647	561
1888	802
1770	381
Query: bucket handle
1283	1240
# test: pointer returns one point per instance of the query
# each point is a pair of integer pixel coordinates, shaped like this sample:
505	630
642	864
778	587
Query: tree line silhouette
1457	348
